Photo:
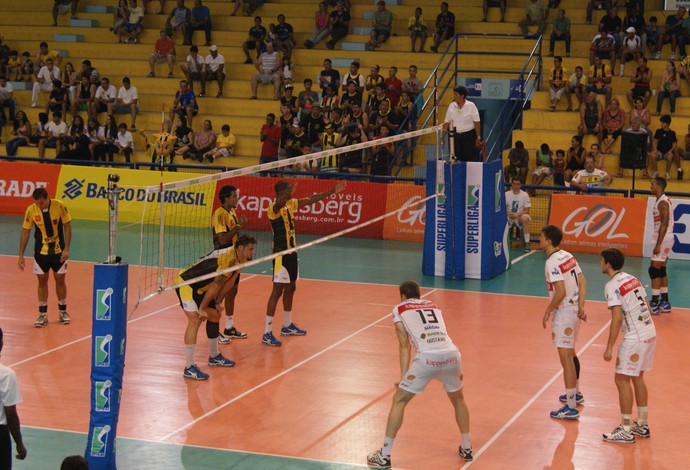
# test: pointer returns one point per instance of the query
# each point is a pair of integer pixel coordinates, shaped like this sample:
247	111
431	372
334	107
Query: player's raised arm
317	197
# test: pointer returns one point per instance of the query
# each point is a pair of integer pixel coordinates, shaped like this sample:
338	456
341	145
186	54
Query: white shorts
556	95
224	152
444	366
564	327
62	9
666	246
286	269
543	170
635	357
516	222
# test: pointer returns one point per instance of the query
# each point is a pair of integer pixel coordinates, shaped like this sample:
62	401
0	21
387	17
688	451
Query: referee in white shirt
462	118
9	419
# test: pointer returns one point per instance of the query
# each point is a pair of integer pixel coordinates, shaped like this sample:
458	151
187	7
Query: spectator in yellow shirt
225	143
417	27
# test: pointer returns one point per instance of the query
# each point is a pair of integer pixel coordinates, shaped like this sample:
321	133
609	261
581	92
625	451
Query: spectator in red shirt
393	86
270	136
164	51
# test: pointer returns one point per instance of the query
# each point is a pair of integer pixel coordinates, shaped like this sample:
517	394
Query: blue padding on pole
456	190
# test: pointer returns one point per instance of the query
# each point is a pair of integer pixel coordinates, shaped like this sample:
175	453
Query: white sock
577	387
212	347
570	397
228	322
622	68
287	318
387	446
269	324
642	415
527	238
466	444
189	354
626	422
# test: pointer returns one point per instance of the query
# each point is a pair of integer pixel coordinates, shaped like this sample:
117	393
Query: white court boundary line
529	403
277	376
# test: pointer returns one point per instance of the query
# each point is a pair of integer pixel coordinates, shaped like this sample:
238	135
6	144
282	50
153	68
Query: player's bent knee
662	272
654	272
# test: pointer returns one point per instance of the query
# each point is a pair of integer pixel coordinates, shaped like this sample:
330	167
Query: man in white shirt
193	67
106	94
124	141
419	323
630	312
354	75
44	80
10	397
127	101
6	99
462	119
517	206
134	25
214	69
590	177
55	131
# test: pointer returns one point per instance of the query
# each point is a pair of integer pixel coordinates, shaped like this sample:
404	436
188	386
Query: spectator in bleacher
351	162
393	86
535	14
596	5
653	32
374	101
576	157
633	19
412	84
184	134
56	130
595	153
669	88
239	4
330	102
6	100
445	27
287	70
517	206
636	128
641	80
44	80
671	33
338	25
383	19
297	142
285	39
560	32
355	76
329	164
612	24
314	125
26	67
558	81
373	79
214	69
185	103
89	71
631	48
200	21
21	132
337	119
178	20
599	79
417	27
559	168
356	115
686	154
462	119
164	51
286	120
640	112
591	115
70	80
307	97
44	54
58	100
382	155
403	108
92	130
134	26
289	99
106	136
225	145
193	66
146	6
665	147
604	47
120	15
352	96
61	7
613	124
321	30
328	76
518	163
124	142
76	143
127	101
268	66
204	140
255	40
384	116
105	97
591	177
41	130
501	4
270	140
86	92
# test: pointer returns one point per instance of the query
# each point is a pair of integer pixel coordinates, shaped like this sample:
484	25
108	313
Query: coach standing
462	118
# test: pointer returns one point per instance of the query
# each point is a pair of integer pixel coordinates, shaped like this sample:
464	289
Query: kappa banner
593	223
19	180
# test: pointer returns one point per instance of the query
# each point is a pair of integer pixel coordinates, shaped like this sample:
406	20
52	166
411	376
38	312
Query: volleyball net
176	219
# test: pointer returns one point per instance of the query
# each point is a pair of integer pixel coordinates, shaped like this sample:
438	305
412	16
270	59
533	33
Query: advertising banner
592	223
436	233
18	181
681	228
407	225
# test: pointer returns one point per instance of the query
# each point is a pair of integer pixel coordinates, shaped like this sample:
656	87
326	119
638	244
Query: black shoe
308	44
234	333
248	61
680	174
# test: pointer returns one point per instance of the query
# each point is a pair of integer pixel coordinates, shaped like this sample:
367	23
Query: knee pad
654	272
212	329
662	271
577	366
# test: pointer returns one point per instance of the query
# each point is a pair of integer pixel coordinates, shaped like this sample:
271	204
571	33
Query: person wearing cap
462	120
200	21
214	69
636	20
127	101
289	99
268	65
382	26
560	32
338	24
631	48
164	51
445	27
193	66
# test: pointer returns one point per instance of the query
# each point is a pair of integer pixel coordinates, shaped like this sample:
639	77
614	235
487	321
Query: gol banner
406	225
593	223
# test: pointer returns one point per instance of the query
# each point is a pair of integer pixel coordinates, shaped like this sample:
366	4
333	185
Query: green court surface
344	259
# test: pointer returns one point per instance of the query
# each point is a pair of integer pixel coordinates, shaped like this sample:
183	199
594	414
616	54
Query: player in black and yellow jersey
53	234
285	269
226	227
201	300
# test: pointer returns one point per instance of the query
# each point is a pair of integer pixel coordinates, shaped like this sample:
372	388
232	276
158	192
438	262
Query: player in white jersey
517	206
662	243
630	311
567	290
421	322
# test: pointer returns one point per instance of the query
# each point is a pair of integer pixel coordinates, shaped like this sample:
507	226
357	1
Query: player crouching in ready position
567	291
202	300
421	322
631	312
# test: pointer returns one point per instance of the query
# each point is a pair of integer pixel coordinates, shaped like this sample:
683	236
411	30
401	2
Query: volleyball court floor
321	401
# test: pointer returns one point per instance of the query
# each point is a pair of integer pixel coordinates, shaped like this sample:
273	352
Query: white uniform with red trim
561	266
667	242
